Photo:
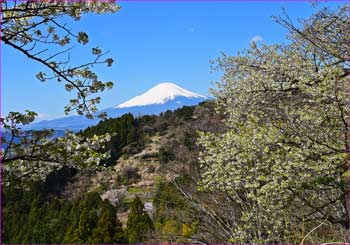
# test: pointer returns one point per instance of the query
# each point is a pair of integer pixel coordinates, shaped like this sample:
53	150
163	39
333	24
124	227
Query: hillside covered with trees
265	161
67	206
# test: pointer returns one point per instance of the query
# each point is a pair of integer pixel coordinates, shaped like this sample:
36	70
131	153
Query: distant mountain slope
162	97
6	135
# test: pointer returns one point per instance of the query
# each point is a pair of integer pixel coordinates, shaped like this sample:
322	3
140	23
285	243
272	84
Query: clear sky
151	42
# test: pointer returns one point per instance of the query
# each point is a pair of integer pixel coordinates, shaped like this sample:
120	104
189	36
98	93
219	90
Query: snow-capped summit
160	94
163	97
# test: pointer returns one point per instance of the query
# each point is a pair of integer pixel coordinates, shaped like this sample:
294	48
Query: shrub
128	175
166	154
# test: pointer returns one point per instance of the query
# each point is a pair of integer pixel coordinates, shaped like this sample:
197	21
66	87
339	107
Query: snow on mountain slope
162	97
160	94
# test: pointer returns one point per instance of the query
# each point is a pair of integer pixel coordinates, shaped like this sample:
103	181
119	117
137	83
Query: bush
125	156
151	169
131	149
166	154
148	129
128	175
150	155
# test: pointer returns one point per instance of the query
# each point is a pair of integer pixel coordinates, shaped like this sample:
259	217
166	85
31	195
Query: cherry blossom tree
284	156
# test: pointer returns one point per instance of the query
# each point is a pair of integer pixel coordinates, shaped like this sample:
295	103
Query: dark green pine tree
73	222
87	223
109	229
30	232
139	224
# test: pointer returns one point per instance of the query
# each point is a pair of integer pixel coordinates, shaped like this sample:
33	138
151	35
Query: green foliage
129	134
184	113
139	224
87	221
167	197
124	130
37	216
109	229
170	205
170	228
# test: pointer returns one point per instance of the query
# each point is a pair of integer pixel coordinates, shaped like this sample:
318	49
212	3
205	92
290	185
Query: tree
87	222
35	29
109	229
139	224
32	155
283	157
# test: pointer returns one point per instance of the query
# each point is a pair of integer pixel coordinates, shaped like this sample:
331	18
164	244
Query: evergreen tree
86	224
74	216
33	221
109	229
139	224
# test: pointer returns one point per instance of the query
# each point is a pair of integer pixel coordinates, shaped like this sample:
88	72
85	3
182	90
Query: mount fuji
162	97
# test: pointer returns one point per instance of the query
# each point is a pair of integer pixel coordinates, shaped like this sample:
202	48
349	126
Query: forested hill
130	134
147	154
148	191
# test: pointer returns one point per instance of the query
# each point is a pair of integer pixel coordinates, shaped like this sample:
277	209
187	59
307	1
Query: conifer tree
87	222
109	229
139	224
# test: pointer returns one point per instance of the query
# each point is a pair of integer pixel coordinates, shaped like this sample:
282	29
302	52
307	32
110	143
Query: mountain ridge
160	98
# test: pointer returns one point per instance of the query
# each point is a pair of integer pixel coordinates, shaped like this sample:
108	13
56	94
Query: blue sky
151	42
